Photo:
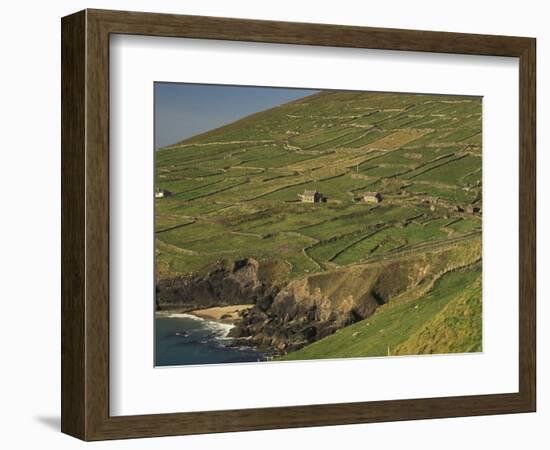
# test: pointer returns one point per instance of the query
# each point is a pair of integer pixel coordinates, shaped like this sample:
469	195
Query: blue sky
183	110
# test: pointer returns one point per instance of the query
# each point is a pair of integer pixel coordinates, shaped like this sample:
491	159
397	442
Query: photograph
300	224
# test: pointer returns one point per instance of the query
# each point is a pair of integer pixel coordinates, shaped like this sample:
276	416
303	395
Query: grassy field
235	189
235	194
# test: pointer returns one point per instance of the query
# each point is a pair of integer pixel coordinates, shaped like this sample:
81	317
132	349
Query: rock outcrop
316	306
310	308
225	284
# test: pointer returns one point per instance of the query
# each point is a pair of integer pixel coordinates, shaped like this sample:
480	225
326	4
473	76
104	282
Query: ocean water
183	339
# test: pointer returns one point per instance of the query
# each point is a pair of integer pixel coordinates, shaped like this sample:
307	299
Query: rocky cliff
239	282
316	306
287	318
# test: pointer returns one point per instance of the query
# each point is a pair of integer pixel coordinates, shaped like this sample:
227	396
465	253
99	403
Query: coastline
198	337
223	314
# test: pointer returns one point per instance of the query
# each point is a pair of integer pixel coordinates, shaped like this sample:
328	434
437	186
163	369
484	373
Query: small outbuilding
161	193
371	197
311	197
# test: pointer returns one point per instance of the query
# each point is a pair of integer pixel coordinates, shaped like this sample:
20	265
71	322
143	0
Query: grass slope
235	188
447	319
457	328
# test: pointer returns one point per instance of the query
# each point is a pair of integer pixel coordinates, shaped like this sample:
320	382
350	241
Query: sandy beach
226	314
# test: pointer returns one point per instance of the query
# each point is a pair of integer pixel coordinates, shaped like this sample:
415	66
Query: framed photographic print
270	224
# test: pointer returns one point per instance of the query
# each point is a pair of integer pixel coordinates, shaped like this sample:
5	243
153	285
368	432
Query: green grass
235	189
235	195
465	225
391	238
410	328
457	328
451	172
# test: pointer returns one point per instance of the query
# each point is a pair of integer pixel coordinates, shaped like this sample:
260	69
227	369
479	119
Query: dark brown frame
85	224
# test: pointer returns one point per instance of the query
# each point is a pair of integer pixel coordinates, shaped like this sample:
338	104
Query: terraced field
235	189
235	195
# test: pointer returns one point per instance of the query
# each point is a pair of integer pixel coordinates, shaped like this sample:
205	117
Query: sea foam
219	328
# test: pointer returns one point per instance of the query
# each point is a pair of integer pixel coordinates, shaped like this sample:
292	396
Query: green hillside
235	189
235	194
446	320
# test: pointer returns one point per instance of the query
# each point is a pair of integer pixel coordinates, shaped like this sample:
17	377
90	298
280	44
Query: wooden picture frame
85	224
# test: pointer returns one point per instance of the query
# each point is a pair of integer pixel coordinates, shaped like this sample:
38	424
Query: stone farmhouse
372	197
311	197
161	193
